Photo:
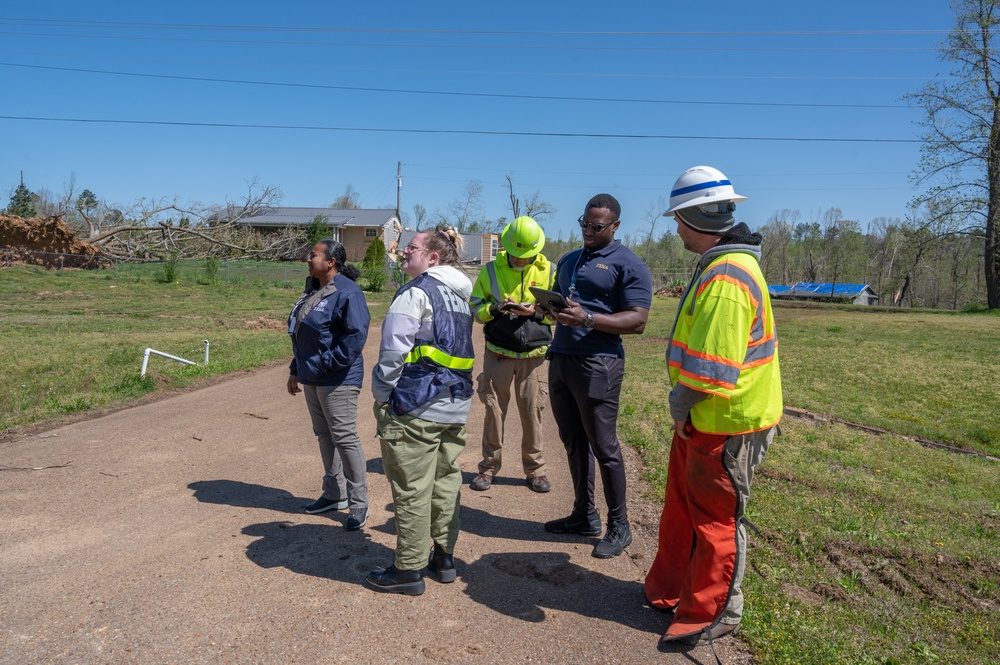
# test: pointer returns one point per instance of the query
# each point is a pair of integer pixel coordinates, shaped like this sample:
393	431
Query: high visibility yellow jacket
519	337
724	344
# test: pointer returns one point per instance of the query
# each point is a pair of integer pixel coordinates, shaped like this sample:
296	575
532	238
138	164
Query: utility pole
399	184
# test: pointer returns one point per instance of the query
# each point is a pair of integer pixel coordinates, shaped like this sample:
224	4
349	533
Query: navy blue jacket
605	281
328	342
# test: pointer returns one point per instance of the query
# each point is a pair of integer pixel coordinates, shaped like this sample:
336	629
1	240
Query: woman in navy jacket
329	327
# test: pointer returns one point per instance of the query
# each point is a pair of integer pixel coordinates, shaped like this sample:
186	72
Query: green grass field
873	548
75	341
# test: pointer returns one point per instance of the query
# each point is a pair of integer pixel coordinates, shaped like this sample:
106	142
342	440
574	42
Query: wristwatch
588	322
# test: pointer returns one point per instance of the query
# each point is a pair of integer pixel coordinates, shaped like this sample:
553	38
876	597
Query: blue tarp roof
820	290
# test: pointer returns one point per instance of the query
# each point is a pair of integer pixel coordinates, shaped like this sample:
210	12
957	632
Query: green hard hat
523	238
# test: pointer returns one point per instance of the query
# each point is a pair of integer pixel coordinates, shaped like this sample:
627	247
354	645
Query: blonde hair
447	242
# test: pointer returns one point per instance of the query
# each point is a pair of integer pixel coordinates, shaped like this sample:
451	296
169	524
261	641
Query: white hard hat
701	186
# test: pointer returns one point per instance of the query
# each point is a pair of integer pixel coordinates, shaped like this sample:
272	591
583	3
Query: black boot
441	565
390	580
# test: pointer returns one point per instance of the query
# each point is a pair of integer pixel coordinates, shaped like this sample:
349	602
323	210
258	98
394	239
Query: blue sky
551	93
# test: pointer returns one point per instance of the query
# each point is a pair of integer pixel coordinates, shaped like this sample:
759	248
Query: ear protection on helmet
720	208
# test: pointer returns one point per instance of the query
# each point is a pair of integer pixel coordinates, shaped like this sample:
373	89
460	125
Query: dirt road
174	533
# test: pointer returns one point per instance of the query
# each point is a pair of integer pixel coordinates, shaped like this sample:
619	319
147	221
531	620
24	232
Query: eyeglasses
409	249
596	228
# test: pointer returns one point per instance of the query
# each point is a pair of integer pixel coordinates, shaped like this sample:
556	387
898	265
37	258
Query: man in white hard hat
725	402
517	339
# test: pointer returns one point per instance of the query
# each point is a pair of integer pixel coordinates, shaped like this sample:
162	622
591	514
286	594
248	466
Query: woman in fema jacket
329	327
422	386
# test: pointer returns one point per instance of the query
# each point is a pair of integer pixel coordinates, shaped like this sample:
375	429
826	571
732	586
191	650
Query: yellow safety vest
497	281
724	344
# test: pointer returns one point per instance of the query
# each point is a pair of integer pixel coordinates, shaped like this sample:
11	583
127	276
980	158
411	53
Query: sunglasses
596	228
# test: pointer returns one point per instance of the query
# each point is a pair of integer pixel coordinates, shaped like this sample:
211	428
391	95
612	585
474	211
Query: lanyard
576	271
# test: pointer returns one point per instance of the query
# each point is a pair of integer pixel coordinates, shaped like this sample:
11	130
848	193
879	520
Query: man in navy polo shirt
609	291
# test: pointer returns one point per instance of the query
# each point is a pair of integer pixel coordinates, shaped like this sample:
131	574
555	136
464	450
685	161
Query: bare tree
152	228
466	212
652	215
960	159
419	214
349	200
777	237
534	206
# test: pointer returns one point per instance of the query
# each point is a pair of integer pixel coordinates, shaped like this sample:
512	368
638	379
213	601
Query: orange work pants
701	555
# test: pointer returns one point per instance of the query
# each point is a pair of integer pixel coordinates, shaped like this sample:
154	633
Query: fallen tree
152	229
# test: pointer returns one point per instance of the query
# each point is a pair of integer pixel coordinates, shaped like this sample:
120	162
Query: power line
516	47
589	74
665	188
314	86
458	132
650	175
437	31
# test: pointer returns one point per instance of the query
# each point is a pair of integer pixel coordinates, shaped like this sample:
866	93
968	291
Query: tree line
919	261
907	262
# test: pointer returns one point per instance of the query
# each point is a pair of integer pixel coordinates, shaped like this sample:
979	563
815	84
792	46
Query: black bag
519	334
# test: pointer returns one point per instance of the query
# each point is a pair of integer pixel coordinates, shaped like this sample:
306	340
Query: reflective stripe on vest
760	348
741	375
491	270
528	296
441	363
438	356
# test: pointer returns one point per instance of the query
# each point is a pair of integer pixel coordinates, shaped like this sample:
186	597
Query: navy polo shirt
607	280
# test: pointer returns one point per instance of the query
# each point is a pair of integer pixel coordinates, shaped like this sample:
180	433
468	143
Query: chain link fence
207	271
214	271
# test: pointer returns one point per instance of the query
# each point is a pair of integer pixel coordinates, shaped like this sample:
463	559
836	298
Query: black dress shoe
441	565
390	580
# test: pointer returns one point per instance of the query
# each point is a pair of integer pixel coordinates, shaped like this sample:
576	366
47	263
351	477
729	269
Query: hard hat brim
694	203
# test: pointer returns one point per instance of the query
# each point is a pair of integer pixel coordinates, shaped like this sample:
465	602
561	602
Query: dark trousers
584	392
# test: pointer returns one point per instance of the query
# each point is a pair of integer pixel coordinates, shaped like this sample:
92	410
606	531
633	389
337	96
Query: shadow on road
374	465
530	585
318	550
487	525
247	495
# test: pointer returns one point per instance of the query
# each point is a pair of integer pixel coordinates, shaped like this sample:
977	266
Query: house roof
820	290
291	216
472	243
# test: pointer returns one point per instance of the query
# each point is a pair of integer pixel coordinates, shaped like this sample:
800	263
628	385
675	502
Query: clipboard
550	300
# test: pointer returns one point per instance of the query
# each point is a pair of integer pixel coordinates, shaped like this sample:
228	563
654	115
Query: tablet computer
550	300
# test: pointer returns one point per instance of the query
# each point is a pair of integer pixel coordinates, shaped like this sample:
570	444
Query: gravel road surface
173	532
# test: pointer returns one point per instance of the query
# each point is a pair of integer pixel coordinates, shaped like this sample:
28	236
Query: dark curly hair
335	252
605	201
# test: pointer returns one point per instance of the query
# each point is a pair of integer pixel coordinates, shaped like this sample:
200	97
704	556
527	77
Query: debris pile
44	241
673	291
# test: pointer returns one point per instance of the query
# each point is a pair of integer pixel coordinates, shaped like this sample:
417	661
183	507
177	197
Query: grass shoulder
74	341
873	548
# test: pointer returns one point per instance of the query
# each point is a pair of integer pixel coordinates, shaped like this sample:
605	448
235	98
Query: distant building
356	229
480	248
858	294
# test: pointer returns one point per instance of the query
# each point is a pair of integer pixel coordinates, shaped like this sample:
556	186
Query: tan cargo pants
530	382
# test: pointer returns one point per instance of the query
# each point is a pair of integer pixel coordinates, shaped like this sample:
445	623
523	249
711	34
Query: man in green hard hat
517	338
